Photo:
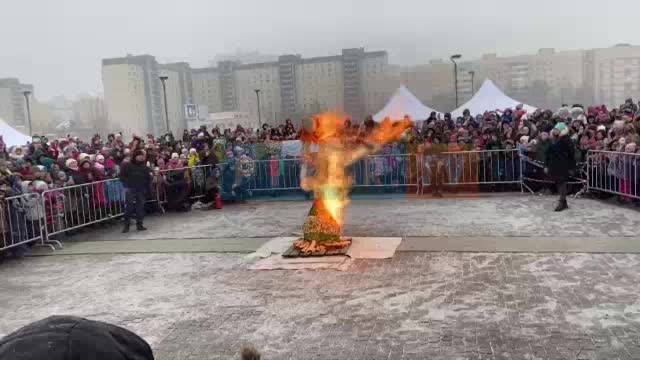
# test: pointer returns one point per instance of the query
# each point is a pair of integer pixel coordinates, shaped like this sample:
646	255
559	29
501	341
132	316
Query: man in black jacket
136	178
560	160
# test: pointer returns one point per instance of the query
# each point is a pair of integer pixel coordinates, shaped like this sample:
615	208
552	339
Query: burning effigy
327	154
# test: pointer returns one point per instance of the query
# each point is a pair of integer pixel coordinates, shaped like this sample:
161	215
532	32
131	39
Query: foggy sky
58	45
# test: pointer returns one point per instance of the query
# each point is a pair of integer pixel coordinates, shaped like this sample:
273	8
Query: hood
69	337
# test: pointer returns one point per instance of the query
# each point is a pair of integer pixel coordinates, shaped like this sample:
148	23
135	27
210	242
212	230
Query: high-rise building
133	94
206	88
265	78
546	79
178	87
318	85
354	82
614	73
12	102
228	95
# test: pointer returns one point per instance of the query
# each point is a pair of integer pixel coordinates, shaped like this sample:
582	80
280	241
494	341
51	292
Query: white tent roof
489	98
402	103
11	136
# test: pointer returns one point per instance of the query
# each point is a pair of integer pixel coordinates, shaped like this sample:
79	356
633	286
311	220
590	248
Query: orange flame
330	183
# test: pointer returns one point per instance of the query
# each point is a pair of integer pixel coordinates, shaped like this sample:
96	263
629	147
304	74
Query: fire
329	180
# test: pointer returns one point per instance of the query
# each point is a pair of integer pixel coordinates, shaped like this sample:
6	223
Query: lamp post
26	94
167	117
472	80
452	59
258	106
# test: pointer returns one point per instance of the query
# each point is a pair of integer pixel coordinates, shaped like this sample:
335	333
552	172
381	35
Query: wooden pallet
297	252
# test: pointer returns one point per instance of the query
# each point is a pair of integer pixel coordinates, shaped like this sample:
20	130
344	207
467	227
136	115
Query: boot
127	227
140	227
563	205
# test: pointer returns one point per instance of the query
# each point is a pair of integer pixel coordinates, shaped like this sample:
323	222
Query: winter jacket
136	176
560	157
541	150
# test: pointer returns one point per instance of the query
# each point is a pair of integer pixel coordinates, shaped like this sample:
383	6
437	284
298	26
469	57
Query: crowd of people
46	164
257	159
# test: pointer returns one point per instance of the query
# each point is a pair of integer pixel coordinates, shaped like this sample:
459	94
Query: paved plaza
434	304
504	216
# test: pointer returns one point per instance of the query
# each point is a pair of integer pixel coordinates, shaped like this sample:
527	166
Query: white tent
489	98
11	136
402	103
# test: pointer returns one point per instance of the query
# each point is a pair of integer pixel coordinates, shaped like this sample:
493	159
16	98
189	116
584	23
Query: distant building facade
134	94
548	78
12	102
354	82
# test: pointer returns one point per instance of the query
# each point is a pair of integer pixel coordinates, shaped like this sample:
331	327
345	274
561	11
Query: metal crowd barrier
533	174
187	183
70	208
371	171
614	172
393	170
275	175
32	218
21	220
481	167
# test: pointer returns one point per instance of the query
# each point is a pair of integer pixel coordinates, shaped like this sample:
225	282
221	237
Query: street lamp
258	106
167	117
455	56
472	80
26	94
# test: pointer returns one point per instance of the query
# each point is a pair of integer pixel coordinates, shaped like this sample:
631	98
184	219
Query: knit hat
562	128
175	156
69	337
576	112
40	185
71	164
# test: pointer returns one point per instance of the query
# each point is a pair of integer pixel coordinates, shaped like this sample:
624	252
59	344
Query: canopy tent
11	136
402	103
489	98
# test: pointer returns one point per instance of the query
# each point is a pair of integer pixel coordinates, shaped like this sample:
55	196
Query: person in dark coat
71	338
560	158
136	178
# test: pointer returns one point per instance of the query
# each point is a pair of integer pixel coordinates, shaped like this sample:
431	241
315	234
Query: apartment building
176	88
133	94
319	85
354	82
265	78
374	86
12	102
548	78
614	73
206	88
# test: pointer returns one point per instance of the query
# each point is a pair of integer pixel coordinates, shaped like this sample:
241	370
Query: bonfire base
302	248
